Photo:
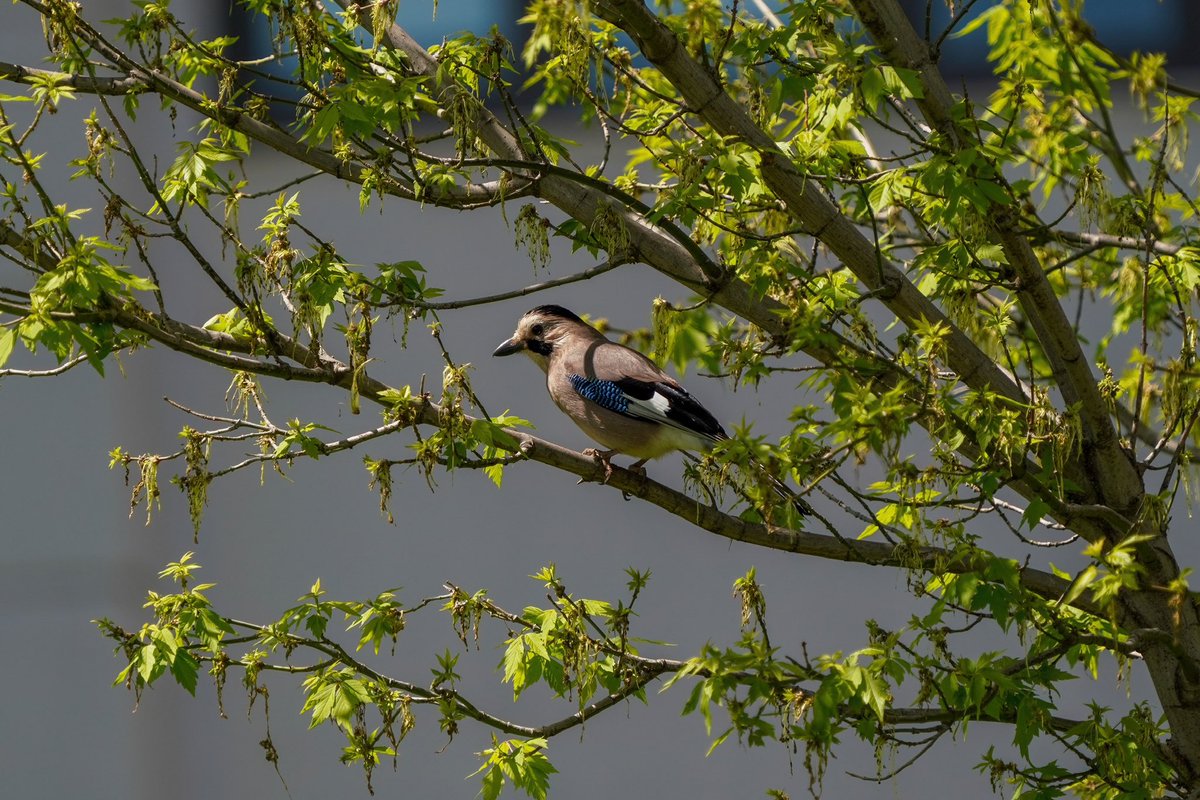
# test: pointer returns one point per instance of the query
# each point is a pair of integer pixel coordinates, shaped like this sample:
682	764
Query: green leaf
493	782
514	663
1082	581
717	742
184	667
147	663
8	337
875	693
493	434
1034	513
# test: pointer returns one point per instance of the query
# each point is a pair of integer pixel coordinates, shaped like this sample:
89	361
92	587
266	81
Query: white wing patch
655	409
680	436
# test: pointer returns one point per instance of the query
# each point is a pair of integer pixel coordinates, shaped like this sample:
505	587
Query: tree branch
1112	240
592	272
1116	480
32	76
935	559
227	351
670	251
138	76
45	373
803	198
1107	466
202	343
665	248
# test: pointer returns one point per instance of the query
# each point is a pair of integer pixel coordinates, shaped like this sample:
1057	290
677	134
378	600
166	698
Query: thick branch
935	559
1108	465
661	246
803	198
1107	462
672	253
227	351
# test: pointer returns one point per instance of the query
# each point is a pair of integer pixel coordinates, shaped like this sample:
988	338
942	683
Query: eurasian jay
616	395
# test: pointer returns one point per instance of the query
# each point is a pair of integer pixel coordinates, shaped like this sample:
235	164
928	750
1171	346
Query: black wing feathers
681	407
638	390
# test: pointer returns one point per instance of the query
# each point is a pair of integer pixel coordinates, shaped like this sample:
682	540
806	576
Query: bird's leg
605	458
637	468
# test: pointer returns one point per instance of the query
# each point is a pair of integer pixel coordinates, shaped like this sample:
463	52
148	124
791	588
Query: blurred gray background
71	552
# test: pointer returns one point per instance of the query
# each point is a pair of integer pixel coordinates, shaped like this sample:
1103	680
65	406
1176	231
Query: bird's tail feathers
781	489
784	492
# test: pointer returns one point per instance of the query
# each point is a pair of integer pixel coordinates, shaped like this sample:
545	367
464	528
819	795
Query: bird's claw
636	469
604	457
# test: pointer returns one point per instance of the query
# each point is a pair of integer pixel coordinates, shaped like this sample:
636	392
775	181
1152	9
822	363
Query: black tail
781	489
785	492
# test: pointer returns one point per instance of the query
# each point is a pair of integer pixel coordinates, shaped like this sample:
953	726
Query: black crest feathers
555	311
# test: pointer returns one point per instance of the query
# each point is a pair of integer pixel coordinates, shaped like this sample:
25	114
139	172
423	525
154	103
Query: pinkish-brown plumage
616	395
563	345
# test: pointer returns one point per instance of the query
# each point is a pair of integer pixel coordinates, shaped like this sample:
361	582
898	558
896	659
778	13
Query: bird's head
540	330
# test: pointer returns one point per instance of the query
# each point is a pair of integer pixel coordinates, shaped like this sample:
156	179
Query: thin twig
44	373
591	272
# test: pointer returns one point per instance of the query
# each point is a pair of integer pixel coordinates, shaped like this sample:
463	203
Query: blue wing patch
605	394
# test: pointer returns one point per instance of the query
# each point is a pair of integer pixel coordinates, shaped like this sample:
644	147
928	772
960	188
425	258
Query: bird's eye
538	329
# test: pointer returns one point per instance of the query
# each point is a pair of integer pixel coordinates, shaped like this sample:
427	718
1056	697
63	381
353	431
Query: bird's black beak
507	348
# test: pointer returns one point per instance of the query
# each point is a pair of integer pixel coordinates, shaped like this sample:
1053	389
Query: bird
617	396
